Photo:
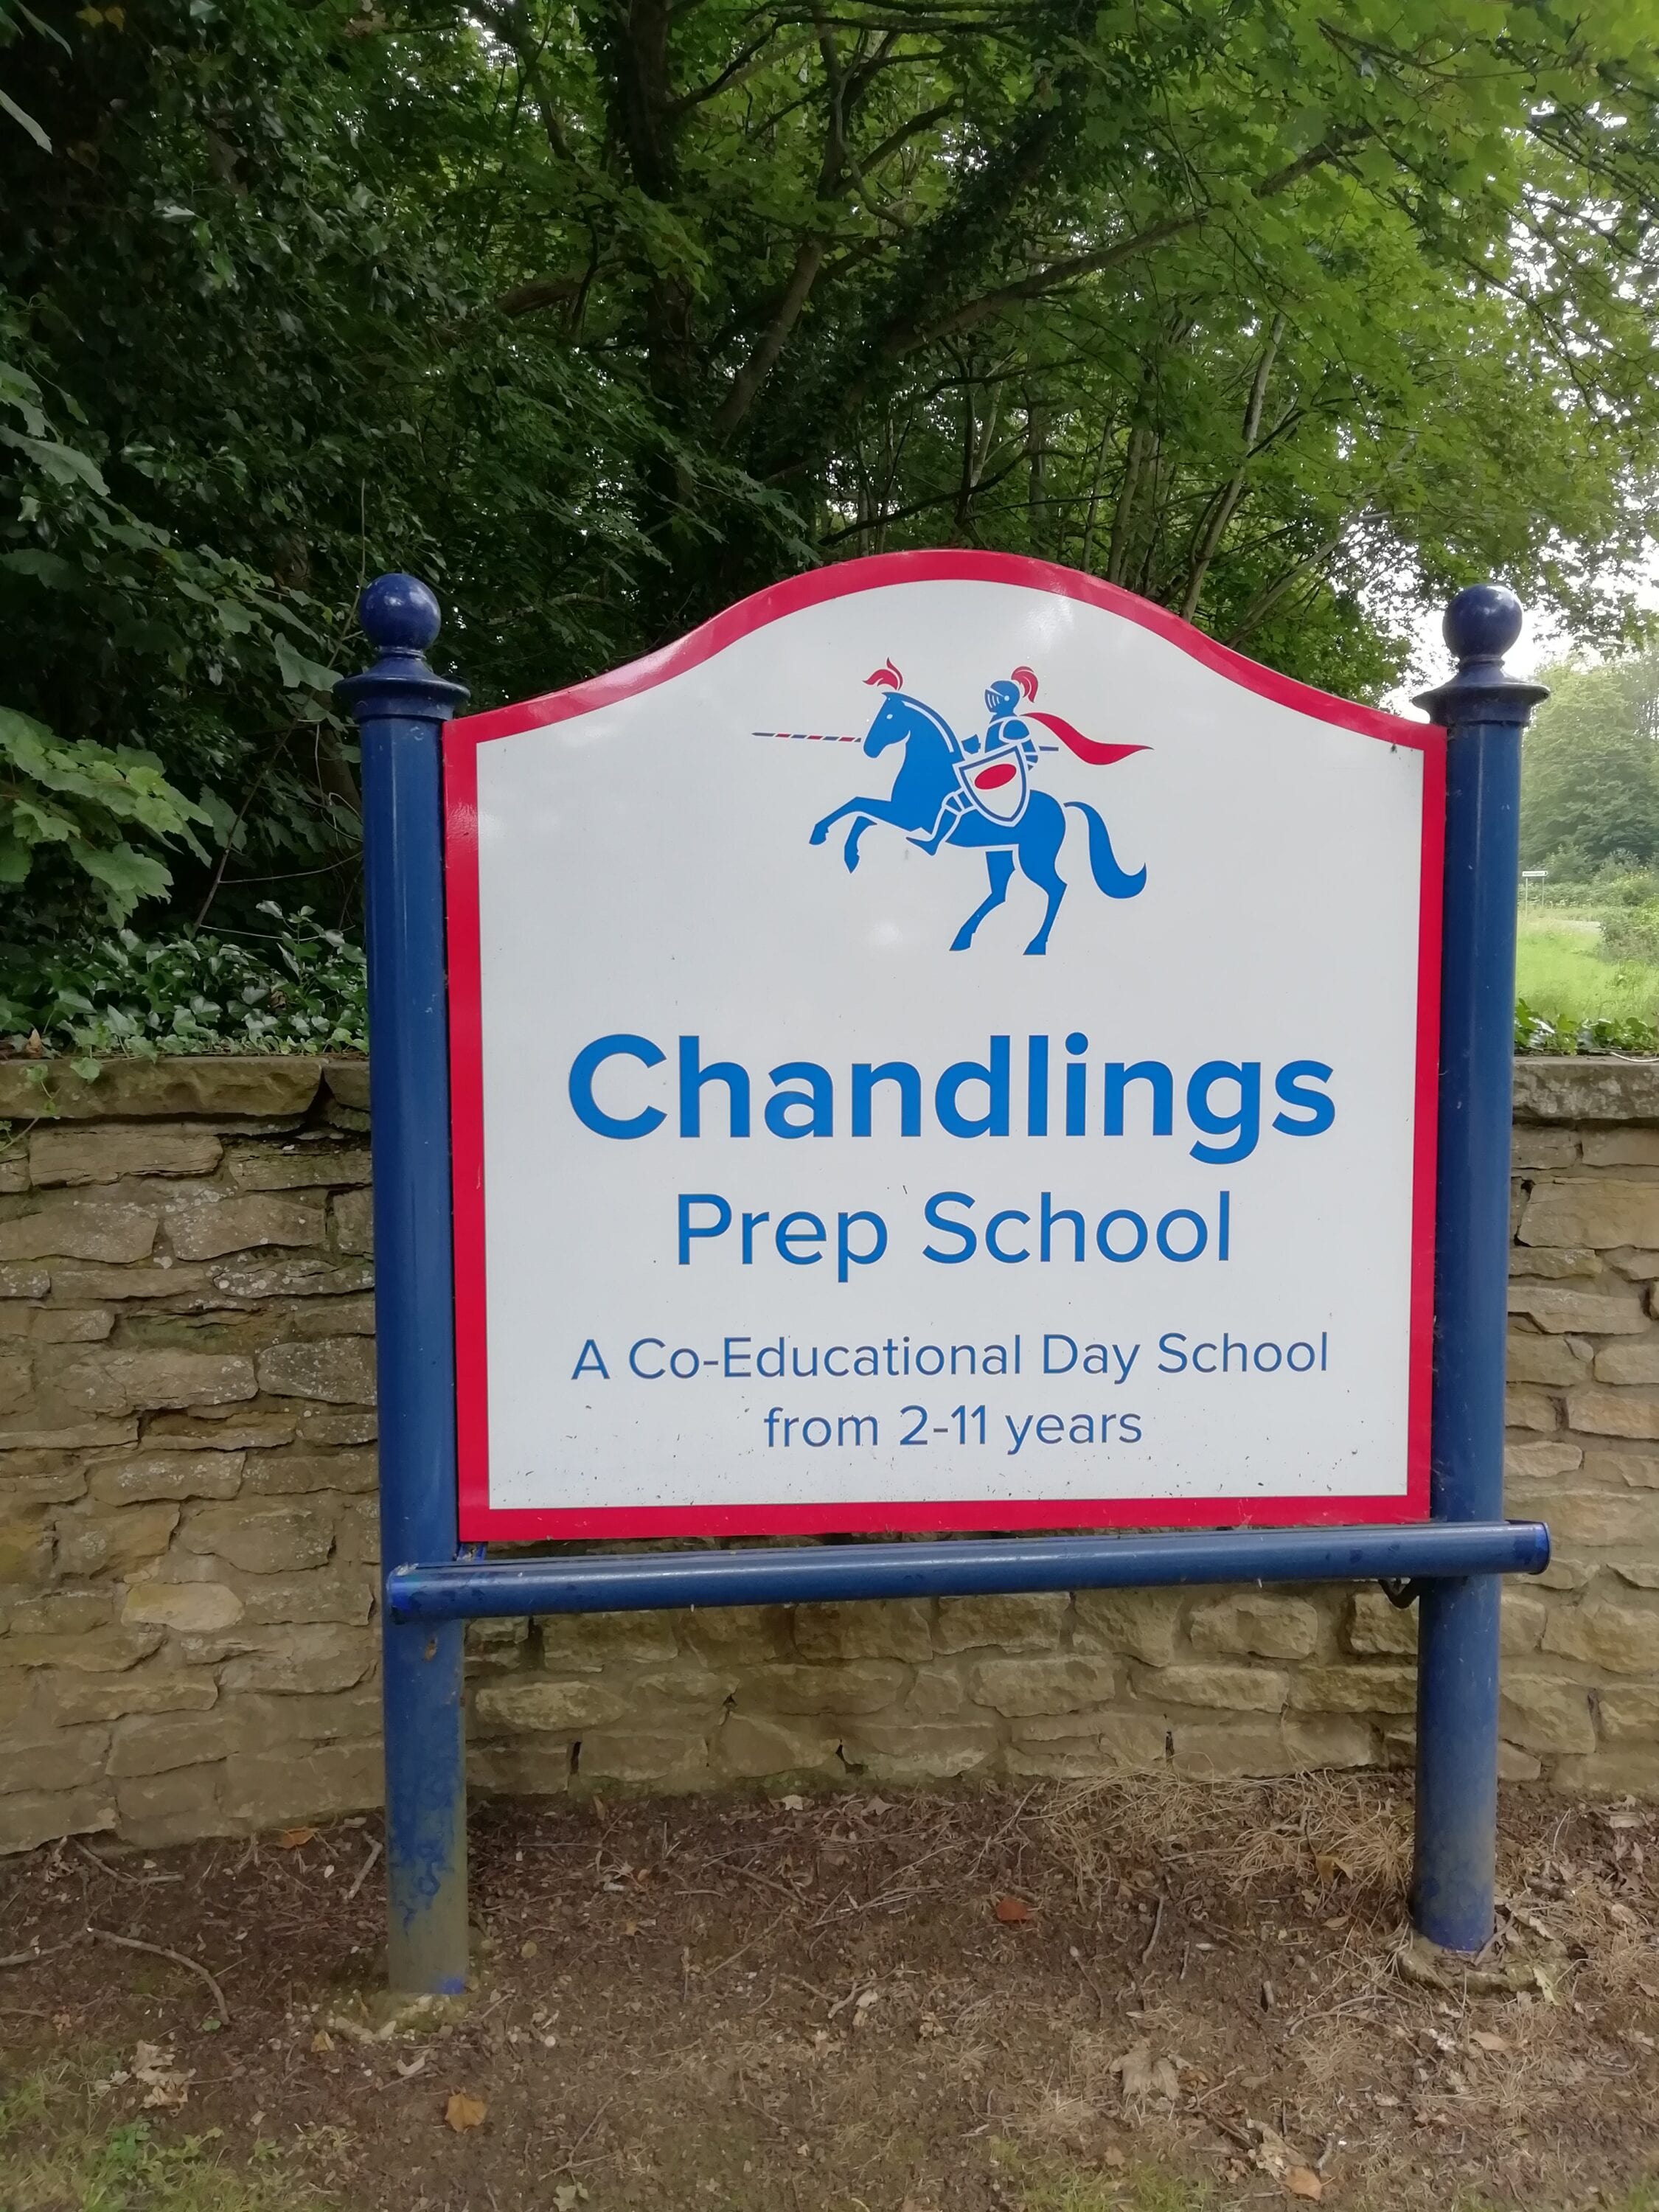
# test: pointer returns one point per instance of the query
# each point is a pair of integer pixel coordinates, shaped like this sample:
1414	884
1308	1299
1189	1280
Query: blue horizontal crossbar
958	1567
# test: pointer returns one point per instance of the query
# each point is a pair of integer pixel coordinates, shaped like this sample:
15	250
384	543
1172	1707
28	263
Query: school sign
946	1046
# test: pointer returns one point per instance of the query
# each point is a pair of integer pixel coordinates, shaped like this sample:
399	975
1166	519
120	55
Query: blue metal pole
402	705
956	1567
1484	712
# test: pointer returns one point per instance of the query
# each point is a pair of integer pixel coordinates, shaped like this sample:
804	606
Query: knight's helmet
1005	699
1002	697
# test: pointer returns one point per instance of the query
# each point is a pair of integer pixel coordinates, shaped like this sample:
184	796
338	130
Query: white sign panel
945	1046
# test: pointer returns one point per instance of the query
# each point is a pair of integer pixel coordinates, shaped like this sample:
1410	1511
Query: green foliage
1627	1033
298	988
1590	793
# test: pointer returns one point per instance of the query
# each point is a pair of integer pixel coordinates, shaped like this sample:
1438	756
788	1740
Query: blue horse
927	775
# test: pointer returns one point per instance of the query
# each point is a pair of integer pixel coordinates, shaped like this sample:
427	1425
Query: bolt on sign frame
473	1359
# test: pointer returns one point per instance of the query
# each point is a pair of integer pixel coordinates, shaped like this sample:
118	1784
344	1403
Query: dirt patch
850	2004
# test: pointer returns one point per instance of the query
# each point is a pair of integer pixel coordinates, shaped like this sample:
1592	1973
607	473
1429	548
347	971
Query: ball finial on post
1482	623
400	613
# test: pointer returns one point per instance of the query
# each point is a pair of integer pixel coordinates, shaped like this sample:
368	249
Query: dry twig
161	1951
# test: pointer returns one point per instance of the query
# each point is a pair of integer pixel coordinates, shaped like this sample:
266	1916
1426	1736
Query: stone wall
187	1533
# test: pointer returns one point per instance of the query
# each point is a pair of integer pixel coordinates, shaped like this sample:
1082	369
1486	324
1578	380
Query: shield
997	785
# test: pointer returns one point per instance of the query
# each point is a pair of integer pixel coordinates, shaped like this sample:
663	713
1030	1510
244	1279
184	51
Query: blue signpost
432	1587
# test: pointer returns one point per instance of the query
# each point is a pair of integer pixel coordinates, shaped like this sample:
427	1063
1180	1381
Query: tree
1589	782
602	313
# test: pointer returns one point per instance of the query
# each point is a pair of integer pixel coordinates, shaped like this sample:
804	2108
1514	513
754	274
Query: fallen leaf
1302	2181
462	2111
1012	1910
1484	2039
1143	2077
793	1804
322	2040
409	2068
1331	1866
291	1838
529	1948
166	2085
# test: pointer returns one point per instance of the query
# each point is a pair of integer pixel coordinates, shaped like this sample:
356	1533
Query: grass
55	2156
1562	975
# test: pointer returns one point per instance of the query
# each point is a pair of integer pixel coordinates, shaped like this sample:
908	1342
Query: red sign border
479	1522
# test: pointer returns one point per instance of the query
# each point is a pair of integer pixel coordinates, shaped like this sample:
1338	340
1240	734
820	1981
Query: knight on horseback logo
978	791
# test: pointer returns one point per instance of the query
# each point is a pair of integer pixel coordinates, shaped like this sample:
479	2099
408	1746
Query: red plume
1026	679
1086	748
888	676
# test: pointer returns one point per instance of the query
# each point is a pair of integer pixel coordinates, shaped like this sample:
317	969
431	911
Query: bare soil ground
1149	1994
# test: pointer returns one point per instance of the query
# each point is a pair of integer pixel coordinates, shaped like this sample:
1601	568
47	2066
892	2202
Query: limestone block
1613	1413
892	1628
1377	1629
146	1477
524	1768
1027	1621
24	1282
106	1154
207	1223
686	1684
358	1542
902	1751
1635	1360
1621	1634
1575	1263
1238	1689
26	1821
67	1758
295	1473
1532	1149
496	1643
145	1746
1541	1712
1630	1711
751	1747
192	1608
1531	1409
328	1593
531	1701
587	1643
174	1808
1617	1771
25	1550
1216	1747
16	1381
18	1434
112	1540
260	1537
1597	1517
1080	1747
17	1698
1520	1619
1531	1357
936	1694
1587	1313
734	1635
1370	1689
348	1081
309	1659
1636	1267
335	1316
156	1687
208	1430
69	1324
102	1651
63	1612
1595	1210
1564	1574
1143	1623
862	1685
304	1164
288	1278
1256	1623
662	1759
142	1382
1585	1088
13	1169
1314	1740
1640	1574
1532	1462
260	1723
1043	1684
353	1221
262	1084
339	1369
80	1229
1621	1148
325	1426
